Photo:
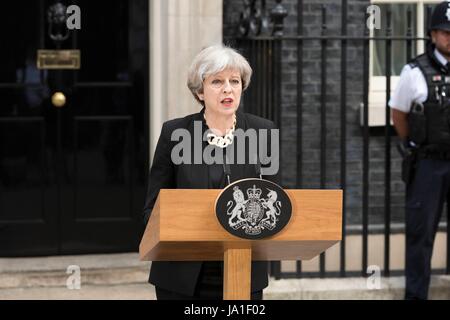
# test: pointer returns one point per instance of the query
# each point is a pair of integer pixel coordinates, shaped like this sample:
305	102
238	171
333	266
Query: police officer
421	114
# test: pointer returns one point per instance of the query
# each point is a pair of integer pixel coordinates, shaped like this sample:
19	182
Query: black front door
72	177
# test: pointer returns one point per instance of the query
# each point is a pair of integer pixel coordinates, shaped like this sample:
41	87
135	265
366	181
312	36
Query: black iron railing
260	38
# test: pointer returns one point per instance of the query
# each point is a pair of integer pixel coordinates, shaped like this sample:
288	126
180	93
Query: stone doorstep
101	282
88	292
114	276
96	269
58	263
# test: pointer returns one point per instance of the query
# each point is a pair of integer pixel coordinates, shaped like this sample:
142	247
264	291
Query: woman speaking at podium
217	78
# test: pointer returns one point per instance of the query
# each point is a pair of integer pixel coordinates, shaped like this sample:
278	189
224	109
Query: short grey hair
212	60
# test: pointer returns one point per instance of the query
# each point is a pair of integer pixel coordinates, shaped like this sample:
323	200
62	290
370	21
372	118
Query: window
419	22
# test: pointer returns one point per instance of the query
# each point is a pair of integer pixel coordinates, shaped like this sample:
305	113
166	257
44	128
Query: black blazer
177	276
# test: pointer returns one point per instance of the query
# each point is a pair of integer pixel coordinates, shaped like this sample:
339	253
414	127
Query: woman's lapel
197	173
240	171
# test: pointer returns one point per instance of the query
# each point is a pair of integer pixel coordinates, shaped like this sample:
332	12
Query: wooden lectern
183	227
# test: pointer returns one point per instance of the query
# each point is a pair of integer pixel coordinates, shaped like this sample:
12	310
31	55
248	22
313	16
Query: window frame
377	84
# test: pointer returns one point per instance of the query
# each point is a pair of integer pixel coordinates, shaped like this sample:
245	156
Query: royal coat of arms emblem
257	208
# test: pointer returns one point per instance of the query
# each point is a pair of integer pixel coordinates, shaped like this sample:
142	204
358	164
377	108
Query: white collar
440	57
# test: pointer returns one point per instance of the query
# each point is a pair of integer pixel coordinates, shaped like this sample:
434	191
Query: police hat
440	20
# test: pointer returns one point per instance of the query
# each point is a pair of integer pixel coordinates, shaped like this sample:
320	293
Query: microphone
227	171
258	167
226	167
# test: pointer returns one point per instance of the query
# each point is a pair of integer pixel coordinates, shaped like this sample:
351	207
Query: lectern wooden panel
183	227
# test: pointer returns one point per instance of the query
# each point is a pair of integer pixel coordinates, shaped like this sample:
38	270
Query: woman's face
222	92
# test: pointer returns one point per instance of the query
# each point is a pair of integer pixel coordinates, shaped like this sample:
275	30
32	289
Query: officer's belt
434	154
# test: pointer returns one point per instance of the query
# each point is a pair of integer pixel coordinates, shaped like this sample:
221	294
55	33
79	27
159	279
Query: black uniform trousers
425	198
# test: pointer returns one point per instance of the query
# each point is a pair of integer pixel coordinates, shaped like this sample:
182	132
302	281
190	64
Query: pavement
124	277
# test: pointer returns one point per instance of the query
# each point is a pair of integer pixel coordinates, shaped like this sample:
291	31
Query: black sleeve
276	178
162	172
